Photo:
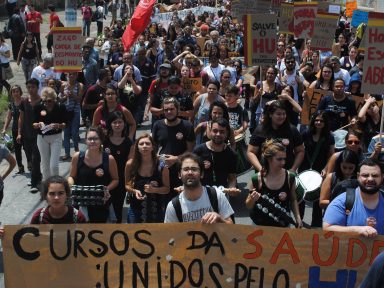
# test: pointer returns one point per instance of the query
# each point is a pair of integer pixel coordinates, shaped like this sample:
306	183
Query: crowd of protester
198	138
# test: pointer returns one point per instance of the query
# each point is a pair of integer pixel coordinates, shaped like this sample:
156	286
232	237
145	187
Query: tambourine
88	195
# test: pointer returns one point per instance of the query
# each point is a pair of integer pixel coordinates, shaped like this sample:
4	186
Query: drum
311	181
241	150
300	191
339	136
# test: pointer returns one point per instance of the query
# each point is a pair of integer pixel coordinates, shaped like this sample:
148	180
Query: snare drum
311	181
241	150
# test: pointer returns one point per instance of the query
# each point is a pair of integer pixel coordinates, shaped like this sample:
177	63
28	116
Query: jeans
72	131
28	65
32	152
49	147
99	27
86	27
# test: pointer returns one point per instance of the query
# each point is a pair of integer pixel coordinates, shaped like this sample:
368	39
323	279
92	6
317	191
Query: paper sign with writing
286	18
192	84
67	42
183	255
359	17
260	39
373	70
304	18
311	101
350	6
239	8
359	102
323	35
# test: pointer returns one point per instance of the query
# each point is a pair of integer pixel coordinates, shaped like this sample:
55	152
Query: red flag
139	21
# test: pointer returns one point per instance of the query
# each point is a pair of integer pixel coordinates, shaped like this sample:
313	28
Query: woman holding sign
272	193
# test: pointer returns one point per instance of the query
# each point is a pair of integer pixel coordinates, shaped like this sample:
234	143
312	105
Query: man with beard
195	203
218	158
366	217
174	136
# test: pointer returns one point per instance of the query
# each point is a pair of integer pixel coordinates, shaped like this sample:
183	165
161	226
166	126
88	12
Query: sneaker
34	190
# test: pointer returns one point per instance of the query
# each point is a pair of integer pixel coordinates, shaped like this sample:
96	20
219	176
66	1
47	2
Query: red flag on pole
139	21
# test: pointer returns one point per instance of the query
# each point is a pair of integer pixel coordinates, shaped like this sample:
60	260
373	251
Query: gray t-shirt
193	211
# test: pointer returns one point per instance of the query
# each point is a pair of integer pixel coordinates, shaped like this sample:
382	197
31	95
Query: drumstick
347	125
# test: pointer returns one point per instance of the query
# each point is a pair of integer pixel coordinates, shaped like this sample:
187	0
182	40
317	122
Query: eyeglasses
356	142
94	139
192	169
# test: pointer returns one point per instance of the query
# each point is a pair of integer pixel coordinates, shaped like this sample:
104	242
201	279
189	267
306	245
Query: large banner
304	18
286	18
311	101
183	255
197	11
373	70
239	8
260	39
67	44
323	35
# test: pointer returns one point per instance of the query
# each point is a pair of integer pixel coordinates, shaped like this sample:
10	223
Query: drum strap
312	158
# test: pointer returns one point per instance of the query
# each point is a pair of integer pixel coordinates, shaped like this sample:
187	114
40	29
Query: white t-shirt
291	80
43	75
193	211
4	48
343	74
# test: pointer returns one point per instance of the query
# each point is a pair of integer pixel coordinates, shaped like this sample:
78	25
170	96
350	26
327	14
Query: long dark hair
347	156
112	117
221	105
269	110
332	80
325	131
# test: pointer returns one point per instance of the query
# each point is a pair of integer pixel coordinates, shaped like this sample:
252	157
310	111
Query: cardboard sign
350	6
67	43
239	8
373	70
325	24
193	84
359	17
359	102
311	101
286	18
201	42
260	39
183	255
304	19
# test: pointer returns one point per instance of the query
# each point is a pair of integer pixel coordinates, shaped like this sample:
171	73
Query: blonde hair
48	93
269	150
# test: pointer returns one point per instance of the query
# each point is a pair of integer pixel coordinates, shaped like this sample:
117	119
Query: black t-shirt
95	93
291	138
173	139
57	115
310	147
338	112
222	164
237	116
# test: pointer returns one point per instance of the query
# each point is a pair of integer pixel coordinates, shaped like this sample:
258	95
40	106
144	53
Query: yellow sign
311	101
183	255
193	84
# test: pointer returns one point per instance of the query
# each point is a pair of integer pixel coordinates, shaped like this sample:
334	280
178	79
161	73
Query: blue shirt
335	213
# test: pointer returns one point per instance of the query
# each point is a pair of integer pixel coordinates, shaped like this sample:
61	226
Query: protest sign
67	43
359	17
311	101
260	39
304	18
367	4
359	102
197	11
286	18
239	8
323	35
201	42
350	6
373	69
183	255
192	84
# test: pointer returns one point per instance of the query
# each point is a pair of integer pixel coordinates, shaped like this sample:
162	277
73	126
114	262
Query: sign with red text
323	35
183	255
304	19
311	101
286	18
373	70
260	39
67	44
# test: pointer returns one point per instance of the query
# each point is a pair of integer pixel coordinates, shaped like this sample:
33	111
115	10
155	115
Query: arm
96	117
252	197
20	53
80	93
331	163
149	188
252	151
363	111
325	192
299	157
12	163
232	180
113	172
295	205
176	62
7	121
20	126
131	123
73	170
213	217
366	231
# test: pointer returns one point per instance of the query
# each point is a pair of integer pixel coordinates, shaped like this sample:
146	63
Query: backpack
75	215
212	195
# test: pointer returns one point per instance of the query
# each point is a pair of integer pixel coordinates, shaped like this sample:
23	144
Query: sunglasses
356	142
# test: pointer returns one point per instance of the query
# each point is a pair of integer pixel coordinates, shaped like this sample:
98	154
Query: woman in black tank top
147	182
276	183
28	55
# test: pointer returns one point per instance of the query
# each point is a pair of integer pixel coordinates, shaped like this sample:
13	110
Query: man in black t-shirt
338	107
176	90
174	136
218	158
